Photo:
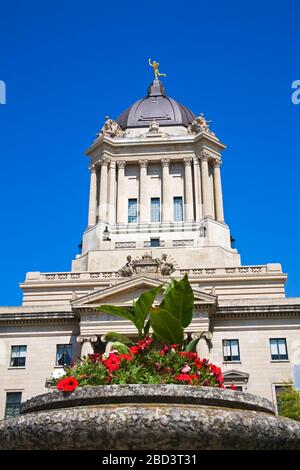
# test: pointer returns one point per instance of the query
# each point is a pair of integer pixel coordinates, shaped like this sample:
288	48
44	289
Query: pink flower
186	369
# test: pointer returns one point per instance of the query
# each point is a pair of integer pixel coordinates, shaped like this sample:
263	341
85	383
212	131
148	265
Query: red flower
127	357
144	343
67	385
233	387
95	357
134	349
164	350
112	363
183	377
174	346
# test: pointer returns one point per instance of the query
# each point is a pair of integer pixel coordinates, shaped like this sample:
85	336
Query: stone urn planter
149	417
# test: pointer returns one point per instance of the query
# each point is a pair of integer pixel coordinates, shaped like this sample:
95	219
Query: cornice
38	318
257	311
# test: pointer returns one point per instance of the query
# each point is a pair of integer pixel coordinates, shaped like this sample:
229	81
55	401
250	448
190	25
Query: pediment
235	375
126	291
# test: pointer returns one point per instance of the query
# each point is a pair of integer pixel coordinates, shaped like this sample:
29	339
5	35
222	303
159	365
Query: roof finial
155	66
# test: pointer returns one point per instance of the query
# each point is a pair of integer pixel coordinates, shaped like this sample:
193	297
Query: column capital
204	156
187	161
104	161
217	163
112	164
165	161
87	339
143	163
93	168
121	163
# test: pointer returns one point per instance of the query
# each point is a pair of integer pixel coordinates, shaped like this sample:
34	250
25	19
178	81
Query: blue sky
67	64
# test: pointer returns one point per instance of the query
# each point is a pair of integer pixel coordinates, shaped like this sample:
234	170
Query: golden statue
155	66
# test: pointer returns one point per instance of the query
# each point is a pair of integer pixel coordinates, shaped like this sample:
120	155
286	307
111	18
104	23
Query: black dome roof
156	106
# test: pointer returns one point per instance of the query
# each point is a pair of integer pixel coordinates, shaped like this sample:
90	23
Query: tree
289	403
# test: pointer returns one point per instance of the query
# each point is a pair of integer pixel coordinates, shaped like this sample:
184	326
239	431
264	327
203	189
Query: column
218	191
197	185
103	190
143	203
86	344
93	196
207	209
188	190
121	196
112	194
165	191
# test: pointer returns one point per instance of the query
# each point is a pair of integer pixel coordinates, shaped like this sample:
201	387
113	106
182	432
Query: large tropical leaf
179	301
143	305
123	312
113	336
166	327
192	346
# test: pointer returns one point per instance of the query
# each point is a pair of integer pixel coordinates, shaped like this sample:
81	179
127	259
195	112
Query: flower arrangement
163	358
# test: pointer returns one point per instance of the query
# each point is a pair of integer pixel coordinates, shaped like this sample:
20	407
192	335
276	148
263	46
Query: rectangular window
18	356
13	404
231	350
155	209
132	211
155	242
278	349
177	209
64	354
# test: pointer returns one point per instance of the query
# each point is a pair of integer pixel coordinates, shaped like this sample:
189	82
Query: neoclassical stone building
155	211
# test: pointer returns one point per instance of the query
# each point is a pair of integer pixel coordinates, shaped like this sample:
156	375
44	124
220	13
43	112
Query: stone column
207	206
165	192
103	190
86	344
112	194
197	185
93	196
143	203
188	190
218	191
121	196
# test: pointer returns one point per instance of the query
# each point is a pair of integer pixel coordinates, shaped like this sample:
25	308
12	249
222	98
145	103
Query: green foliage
168	320
138	313
289	403
191	347
120	347
113	336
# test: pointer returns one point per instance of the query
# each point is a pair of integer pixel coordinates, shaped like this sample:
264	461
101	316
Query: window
155	242
155	209
13	404
278	349
177	209
231	350
132	211
18	356
63	354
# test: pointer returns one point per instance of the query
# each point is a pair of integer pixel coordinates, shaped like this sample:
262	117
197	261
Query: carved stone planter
149	417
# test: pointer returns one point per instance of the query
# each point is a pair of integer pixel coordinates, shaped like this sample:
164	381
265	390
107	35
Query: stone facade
155	211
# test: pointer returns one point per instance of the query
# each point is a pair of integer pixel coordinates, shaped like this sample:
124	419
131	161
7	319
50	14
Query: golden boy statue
155	66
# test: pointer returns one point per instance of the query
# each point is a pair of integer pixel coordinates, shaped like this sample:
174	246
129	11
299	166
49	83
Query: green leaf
143	305
147	328
179	301
113	336
170	286
123	312
166	326
191	347
120	347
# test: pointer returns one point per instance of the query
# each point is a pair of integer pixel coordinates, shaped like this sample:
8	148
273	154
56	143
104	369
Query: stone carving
199	124
154	126
111	128
128	269
166	268
147	264
155	66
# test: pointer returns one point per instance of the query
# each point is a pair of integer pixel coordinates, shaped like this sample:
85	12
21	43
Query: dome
156	106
